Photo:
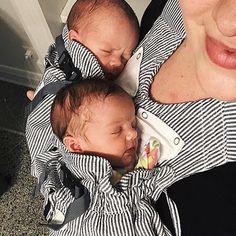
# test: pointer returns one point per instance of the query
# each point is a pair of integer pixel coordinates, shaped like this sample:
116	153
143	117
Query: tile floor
20	212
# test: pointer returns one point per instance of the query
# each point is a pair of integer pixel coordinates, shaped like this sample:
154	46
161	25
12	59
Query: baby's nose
115	63
131	134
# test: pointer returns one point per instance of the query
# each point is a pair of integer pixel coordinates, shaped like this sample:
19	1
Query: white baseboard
19	76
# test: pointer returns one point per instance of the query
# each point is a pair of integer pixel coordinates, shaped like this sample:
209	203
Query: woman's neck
176	80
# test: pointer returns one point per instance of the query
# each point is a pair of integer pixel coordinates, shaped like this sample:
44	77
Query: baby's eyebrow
113	123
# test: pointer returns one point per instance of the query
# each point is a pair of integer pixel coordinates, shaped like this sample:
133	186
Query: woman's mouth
221	54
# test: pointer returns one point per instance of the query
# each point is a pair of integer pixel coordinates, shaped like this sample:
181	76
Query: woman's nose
225	17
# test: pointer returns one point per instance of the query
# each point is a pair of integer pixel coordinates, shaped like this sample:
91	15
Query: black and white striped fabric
125	209
206	126
45	158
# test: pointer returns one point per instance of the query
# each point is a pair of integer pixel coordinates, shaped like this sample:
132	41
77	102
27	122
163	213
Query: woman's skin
204	66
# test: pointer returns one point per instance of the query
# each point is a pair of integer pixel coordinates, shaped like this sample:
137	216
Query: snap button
138	56
176	140
144	115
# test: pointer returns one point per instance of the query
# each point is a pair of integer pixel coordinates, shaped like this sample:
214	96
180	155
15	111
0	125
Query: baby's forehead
108	100
111	13
113	106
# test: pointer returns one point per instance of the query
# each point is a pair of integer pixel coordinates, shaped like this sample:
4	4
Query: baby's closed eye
106	52
116	131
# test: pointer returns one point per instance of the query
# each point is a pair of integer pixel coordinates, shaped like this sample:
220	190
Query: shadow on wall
52	14
14	66
11	44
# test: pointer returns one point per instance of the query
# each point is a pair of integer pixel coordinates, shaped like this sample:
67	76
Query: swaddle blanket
123	209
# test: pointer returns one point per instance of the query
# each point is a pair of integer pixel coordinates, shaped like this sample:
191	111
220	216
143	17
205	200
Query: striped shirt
206	126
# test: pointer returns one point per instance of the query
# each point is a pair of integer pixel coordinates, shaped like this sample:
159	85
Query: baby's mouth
111	76
130	151
131	155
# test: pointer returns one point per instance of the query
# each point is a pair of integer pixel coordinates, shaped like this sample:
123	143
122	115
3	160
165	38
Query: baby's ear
72	144
74	35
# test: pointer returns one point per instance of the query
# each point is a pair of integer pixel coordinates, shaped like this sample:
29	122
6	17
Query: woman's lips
221	54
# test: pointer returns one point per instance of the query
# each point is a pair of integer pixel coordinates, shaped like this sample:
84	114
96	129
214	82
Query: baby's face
111	131
112	38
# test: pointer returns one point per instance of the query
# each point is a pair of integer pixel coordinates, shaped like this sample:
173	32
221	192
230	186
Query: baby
110	37
95	119
98	117
108	28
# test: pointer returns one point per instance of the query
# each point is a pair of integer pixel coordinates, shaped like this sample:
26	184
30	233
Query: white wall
139	6
52	13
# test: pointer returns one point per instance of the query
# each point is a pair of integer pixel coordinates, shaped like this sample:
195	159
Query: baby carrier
53	178
109	207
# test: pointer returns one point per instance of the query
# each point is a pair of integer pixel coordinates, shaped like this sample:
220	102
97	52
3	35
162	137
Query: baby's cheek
102	60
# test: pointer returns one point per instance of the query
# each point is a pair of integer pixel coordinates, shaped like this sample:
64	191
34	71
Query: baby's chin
112	75
128	161
131	166
132	163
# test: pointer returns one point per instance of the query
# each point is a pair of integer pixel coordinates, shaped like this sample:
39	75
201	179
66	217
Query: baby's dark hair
82	8
69	100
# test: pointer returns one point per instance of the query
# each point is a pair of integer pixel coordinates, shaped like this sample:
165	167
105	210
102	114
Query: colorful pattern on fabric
149	157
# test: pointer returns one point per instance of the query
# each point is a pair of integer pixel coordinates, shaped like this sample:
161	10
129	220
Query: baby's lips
130	152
